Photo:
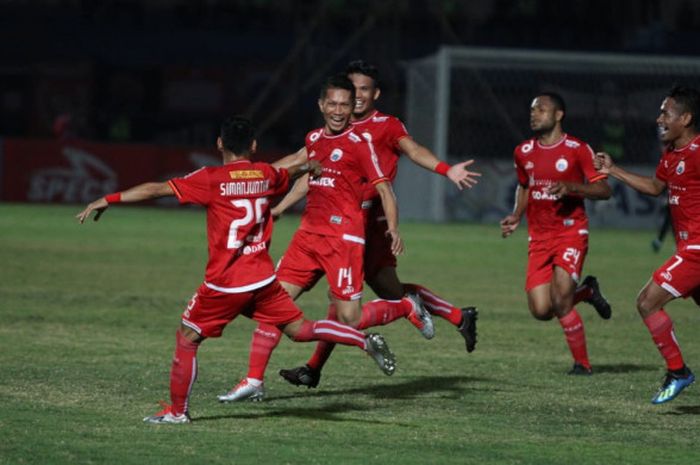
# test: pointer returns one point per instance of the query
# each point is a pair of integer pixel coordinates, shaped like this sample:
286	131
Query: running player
678	172
390	140
330	239
240	276
555	173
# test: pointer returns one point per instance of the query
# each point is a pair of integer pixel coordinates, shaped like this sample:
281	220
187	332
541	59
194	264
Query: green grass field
88	321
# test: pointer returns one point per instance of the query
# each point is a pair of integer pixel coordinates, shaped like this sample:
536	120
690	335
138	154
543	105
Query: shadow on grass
448	386
685	410
624	368
328	412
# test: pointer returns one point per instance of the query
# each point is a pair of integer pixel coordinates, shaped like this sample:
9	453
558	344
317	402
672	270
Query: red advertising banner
80	171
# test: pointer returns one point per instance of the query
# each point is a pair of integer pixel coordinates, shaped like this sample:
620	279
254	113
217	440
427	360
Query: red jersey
238	220
333	203
384	132
680	170
539	166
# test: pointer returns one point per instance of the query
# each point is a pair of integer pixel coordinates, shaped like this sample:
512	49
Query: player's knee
644	306
542	314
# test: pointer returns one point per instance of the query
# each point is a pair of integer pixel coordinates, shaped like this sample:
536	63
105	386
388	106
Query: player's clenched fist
509	224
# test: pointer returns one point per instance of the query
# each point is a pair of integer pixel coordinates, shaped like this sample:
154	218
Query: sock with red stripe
183	373
323	349
575	337
660	326
380	312
436	305
265	339
330	331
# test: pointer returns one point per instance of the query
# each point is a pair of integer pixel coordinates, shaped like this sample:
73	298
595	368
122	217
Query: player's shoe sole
378	349
468	327
243	391
672	386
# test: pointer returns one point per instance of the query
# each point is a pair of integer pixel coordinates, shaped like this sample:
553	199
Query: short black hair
338	81
237	134
689	100
364	68
557	100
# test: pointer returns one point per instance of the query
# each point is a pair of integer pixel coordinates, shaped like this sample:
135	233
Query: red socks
436	305
380	312
330	331
183	373
661	328
265	339
575	337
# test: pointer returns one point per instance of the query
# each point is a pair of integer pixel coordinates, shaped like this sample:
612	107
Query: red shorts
209	311
310	256
378	253
567	252
680	275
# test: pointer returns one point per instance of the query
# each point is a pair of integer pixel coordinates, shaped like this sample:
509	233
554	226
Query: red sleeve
279	180
395	132
585	156
193	188
520	170
370	163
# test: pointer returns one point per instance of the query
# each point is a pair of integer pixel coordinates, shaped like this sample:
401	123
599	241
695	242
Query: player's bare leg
539	302
650	303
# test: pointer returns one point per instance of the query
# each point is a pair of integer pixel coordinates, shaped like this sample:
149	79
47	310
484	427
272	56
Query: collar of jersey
547	147
362	121
326	136
688	144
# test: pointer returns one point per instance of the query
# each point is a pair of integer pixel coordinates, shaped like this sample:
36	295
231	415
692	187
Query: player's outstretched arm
146	191
386	194
296	158
645	184
511	222
421	156
296	193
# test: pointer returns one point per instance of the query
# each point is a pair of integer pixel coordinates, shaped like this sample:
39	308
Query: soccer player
555	173
330	240
390	139
678	172
240	276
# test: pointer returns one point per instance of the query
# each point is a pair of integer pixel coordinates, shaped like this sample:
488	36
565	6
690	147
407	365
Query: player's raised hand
602	162
461	176
397	247
99	205
509	224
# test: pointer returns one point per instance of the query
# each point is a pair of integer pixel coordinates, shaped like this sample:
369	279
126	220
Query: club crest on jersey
681	167
561	165
336	154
